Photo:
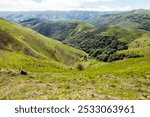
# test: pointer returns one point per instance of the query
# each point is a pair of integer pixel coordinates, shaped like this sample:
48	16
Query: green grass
49	78
129	25
126	79
126	35
141	42
140	50
83	26
15	37
14	60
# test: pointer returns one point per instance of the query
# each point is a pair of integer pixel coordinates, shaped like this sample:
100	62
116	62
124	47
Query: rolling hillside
125	79
59	30
80	77
129	19
17	38
101	43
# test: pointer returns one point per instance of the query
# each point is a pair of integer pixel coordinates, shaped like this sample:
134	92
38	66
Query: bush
96	52
103	57
115	57
133	55
109	51
80	67
123	46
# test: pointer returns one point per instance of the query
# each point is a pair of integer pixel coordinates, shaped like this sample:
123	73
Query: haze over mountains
52	15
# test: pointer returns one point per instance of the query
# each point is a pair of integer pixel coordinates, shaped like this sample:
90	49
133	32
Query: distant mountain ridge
52	15
135	17
59	30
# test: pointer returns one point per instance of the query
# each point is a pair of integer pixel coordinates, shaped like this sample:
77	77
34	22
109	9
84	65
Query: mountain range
105	36
52	15
75	55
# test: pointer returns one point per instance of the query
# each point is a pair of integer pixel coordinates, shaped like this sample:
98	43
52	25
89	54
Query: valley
101	56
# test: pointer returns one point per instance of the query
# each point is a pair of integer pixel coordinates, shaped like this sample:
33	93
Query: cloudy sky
94	5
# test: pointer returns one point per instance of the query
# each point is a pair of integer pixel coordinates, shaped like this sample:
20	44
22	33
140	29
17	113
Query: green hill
101	43
125	79
59	30
80	35
16	38
48	78
125	19
124	34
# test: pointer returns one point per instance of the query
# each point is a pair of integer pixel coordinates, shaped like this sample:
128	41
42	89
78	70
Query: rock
22	72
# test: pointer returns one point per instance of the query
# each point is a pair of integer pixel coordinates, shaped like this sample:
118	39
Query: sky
66	5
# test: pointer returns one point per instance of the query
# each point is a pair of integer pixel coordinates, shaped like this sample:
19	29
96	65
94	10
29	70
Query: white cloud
38	5
106	8
32	5
95	0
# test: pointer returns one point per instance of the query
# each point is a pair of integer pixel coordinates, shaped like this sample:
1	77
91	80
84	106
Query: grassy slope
124	34
125	30
15	37
59	30
129	18
15	60
127	79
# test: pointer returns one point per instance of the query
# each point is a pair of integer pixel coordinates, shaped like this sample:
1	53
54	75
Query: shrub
80	67
109	51
85	58
103	57
115	57
133	55
96	52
